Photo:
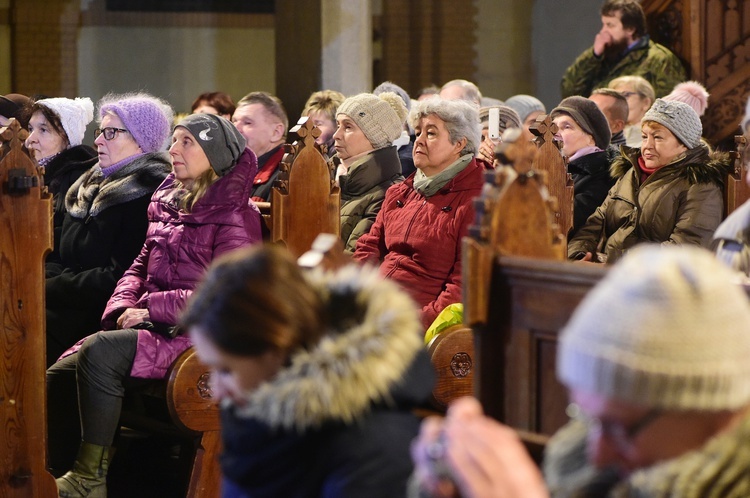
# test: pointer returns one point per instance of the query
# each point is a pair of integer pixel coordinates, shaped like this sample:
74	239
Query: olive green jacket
362	193
654	62
680	203
719	469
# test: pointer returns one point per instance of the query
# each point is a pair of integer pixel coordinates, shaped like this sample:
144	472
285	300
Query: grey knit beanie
380	117
218	138
588	116
508	117
525	105
668	327
679	118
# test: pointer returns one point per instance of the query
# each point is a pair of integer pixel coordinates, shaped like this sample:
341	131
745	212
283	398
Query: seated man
461	90
655	360
614	106
261	119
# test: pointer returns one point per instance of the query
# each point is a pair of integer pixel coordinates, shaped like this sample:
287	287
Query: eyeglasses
622	436
629	94
109	133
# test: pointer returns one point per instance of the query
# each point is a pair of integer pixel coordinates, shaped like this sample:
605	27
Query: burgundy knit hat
147	118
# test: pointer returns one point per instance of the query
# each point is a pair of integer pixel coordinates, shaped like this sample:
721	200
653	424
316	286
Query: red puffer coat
417	240
179	247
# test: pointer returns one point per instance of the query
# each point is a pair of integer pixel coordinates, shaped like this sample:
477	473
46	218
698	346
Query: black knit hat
218	138
588	116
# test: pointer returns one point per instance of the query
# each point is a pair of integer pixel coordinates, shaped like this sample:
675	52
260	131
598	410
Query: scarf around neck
431	185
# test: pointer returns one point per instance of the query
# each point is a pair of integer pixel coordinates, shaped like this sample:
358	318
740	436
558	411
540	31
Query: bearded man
623	47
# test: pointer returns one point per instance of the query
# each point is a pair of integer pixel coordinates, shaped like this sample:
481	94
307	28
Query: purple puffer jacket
179	247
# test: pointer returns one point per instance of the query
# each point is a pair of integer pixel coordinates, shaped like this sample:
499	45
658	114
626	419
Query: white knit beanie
679	118
668	327
380	117
74	115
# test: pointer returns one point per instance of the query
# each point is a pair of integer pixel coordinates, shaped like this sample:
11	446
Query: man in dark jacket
260	118
622	47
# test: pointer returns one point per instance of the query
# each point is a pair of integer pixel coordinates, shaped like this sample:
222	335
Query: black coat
102	233
337	421
59	175
591	182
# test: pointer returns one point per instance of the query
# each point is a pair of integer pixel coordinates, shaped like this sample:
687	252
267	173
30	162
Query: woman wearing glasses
105	222
199	212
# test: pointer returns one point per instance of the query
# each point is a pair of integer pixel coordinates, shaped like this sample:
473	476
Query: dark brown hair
256	300
51	116
220	101
631	15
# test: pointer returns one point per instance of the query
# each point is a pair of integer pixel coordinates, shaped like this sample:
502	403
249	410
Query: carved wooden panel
713	38
304	201
25	238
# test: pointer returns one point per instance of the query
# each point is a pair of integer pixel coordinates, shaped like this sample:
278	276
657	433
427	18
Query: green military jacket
648	59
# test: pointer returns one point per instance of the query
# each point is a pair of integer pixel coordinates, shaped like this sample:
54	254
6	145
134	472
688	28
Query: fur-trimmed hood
354	366
92	193
699	165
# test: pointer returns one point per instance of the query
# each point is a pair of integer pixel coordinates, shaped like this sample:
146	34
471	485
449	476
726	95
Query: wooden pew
550	161
305	201
736	190
25	238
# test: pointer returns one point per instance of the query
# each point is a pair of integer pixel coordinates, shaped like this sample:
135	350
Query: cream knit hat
380	117
668	328
679	118
74	115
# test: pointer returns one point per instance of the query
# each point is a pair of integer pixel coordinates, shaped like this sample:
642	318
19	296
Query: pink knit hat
691	93
147	118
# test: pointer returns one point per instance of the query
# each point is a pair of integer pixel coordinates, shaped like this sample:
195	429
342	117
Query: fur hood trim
92	193
348	370
699	165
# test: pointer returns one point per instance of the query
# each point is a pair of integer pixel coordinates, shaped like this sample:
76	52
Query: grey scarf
431	185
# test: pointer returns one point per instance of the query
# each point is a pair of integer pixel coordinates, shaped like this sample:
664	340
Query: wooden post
25	239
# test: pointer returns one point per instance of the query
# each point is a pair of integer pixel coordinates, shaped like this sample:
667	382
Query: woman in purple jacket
199	212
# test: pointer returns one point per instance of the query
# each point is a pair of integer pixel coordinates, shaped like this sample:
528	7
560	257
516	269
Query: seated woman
318	391
105	216
56	129
640	95
321	108
199	212
367	126
416	238
585	135
669	191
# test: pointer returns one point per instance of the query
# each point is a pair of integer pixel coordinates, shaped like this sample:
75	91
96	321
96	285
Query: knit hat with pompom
380	117
692	93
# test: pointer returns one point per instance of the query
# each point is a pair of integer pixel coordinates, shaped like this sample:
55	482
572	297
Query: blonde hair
198	190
